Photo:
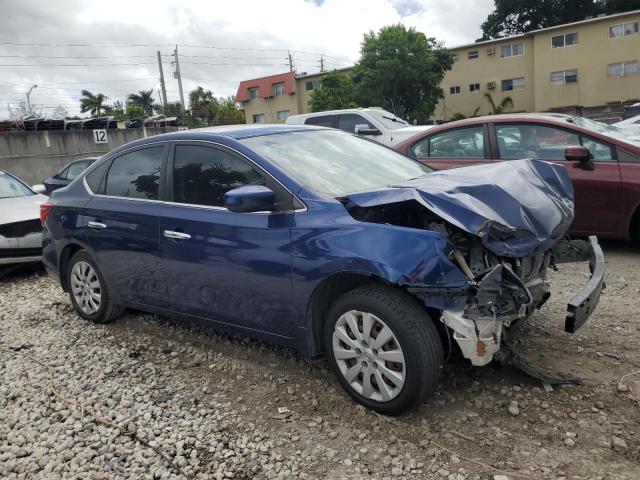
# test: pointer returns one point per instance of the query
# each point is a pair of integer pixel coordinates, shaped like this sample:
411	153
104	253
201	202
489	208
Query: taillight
45	208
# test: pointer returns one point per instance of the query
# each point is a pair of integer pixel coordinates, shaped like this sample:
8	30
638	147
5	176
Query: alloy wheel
86	288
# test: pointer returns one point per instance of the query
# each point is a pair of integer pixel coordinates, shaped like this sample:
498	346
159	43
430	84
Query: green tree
401	70
144	99
136	111
497	109
335	92
94	104
204	105
228	112
511	17
116	110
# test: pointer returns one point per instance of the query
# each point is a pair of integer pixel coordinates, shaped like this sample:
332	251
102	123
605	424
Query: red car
603	161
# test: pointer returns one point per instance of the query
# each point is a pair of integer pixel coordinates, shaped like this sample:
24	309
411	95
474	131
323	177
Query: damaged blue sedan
323	241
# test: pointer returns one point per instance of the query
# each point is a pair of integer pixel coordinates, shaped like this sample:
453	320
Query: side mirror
39	188
579	154
249	198
364	129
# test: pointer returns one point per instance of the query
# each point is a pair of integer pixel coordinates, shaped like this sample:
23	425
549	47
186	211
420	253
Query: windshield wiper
395	119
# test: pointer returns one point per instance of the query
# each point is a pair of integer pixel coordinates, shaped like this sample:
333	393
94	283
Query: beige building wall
591	56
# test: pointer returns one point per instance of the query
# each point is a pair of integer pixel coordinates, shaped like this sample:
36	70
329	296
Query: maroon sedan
602	161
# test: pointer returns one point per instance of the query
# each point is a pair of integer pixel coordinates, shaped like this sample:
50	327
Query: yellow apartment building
588	67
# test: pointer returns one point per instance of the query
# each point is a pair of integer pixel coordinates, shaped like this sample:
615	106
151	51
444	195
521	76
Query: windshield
334	163
388	119
10	187
615	132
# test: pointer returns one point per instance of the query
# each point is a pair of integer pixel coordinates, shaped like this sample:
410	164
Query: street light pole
28	100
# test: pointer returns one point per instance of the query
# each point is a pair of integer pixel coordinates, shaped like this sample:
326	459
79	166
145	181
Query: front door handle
96	225
176	235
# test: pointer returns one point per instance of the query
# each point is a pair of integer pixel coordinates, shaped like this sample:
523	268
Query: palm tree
502	107
203	104
92	103
144	99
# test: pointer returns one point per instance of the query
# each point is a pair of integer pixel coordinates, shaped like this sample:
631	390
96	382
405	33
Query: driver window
534	141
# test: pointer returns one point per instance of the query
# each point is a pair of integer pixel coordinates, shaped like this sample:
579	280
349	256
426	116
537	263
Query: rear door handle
176	235
96	225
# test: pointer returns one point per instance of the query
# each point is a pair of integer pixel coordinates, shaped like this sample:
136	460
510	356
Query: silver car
20	229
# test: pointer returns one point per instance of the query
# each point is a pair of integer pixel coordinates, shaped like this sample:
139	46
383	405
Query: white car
630	124
375	123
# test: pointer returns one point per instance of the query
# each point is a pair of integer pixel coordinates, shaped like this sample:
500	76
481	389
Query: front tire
88	290
384	348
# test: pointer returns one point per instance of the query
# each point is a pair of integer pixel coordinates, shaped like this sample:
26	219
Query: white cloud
239	31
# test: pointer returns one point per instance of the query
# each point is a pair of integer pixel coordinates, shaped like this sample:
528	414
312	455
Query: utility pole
28	100
290	61
164	90
176	74
321	63
162	104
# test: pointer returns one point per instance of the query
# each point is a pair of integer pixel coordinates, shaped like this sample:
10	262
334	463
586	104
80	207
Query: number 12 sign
100	136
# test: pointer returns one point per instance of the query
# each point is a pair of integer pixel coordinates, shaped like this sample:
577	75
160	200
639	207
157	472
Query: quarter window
473	54
513	84
458	143
454	90
623	69
135	174
564	40
202	175
623	29
512	50
564	76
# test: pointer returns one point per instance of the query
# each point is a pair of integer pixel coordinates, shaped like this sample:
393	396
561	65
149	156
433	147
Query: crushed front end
505	225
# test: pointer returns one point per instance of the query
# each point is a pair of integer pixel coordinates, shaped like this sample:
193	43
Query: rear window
135	174
320	120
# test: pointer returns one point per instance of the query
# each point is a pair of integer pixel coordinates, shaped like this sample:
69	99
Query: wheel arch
65	256
634	224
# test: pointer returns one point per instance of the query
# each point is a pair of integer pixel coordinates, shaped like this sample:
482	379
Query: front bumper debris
502	299
582	305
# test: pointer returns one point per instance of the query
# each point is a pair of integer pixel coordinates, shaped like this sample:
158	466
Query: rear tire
88	290
384	348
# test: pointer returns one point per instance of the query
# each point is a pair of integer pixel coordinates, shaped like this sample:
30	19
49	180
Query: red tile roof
265	86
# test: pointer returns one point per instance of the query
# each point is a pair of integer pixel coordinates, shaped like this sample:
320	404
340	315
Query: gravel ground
148	398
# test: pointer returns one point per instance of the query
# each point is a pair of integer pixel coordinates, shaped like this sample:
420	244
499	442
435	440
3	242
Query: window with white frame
623	29
454	90
512	50
253	93
278	89
564	40
473	54
513	84
258	118
623	69
564	76
474	87
283	115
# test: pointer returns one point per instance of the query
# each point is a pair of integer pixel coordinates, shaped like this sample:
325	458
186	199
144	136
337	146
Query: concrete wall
34	156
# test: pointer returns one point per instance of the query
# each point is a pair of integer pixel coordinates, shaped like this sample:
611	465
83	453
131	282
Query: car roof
344	110
245	131
556	118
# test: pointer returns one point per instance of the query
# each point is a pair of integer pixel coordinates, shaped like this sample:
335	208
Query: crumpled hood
518	208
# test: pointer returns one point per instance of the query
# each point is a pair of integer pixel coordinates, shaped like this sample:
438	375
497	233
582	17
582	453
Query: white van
378	124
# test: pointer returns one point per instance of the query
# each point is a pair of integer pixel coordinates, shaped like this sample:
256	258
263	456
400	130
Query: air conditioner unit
491	51
491	85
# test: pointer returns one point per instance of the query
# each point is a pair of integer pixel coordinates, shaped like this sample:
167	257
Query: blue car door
121	225
220	265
